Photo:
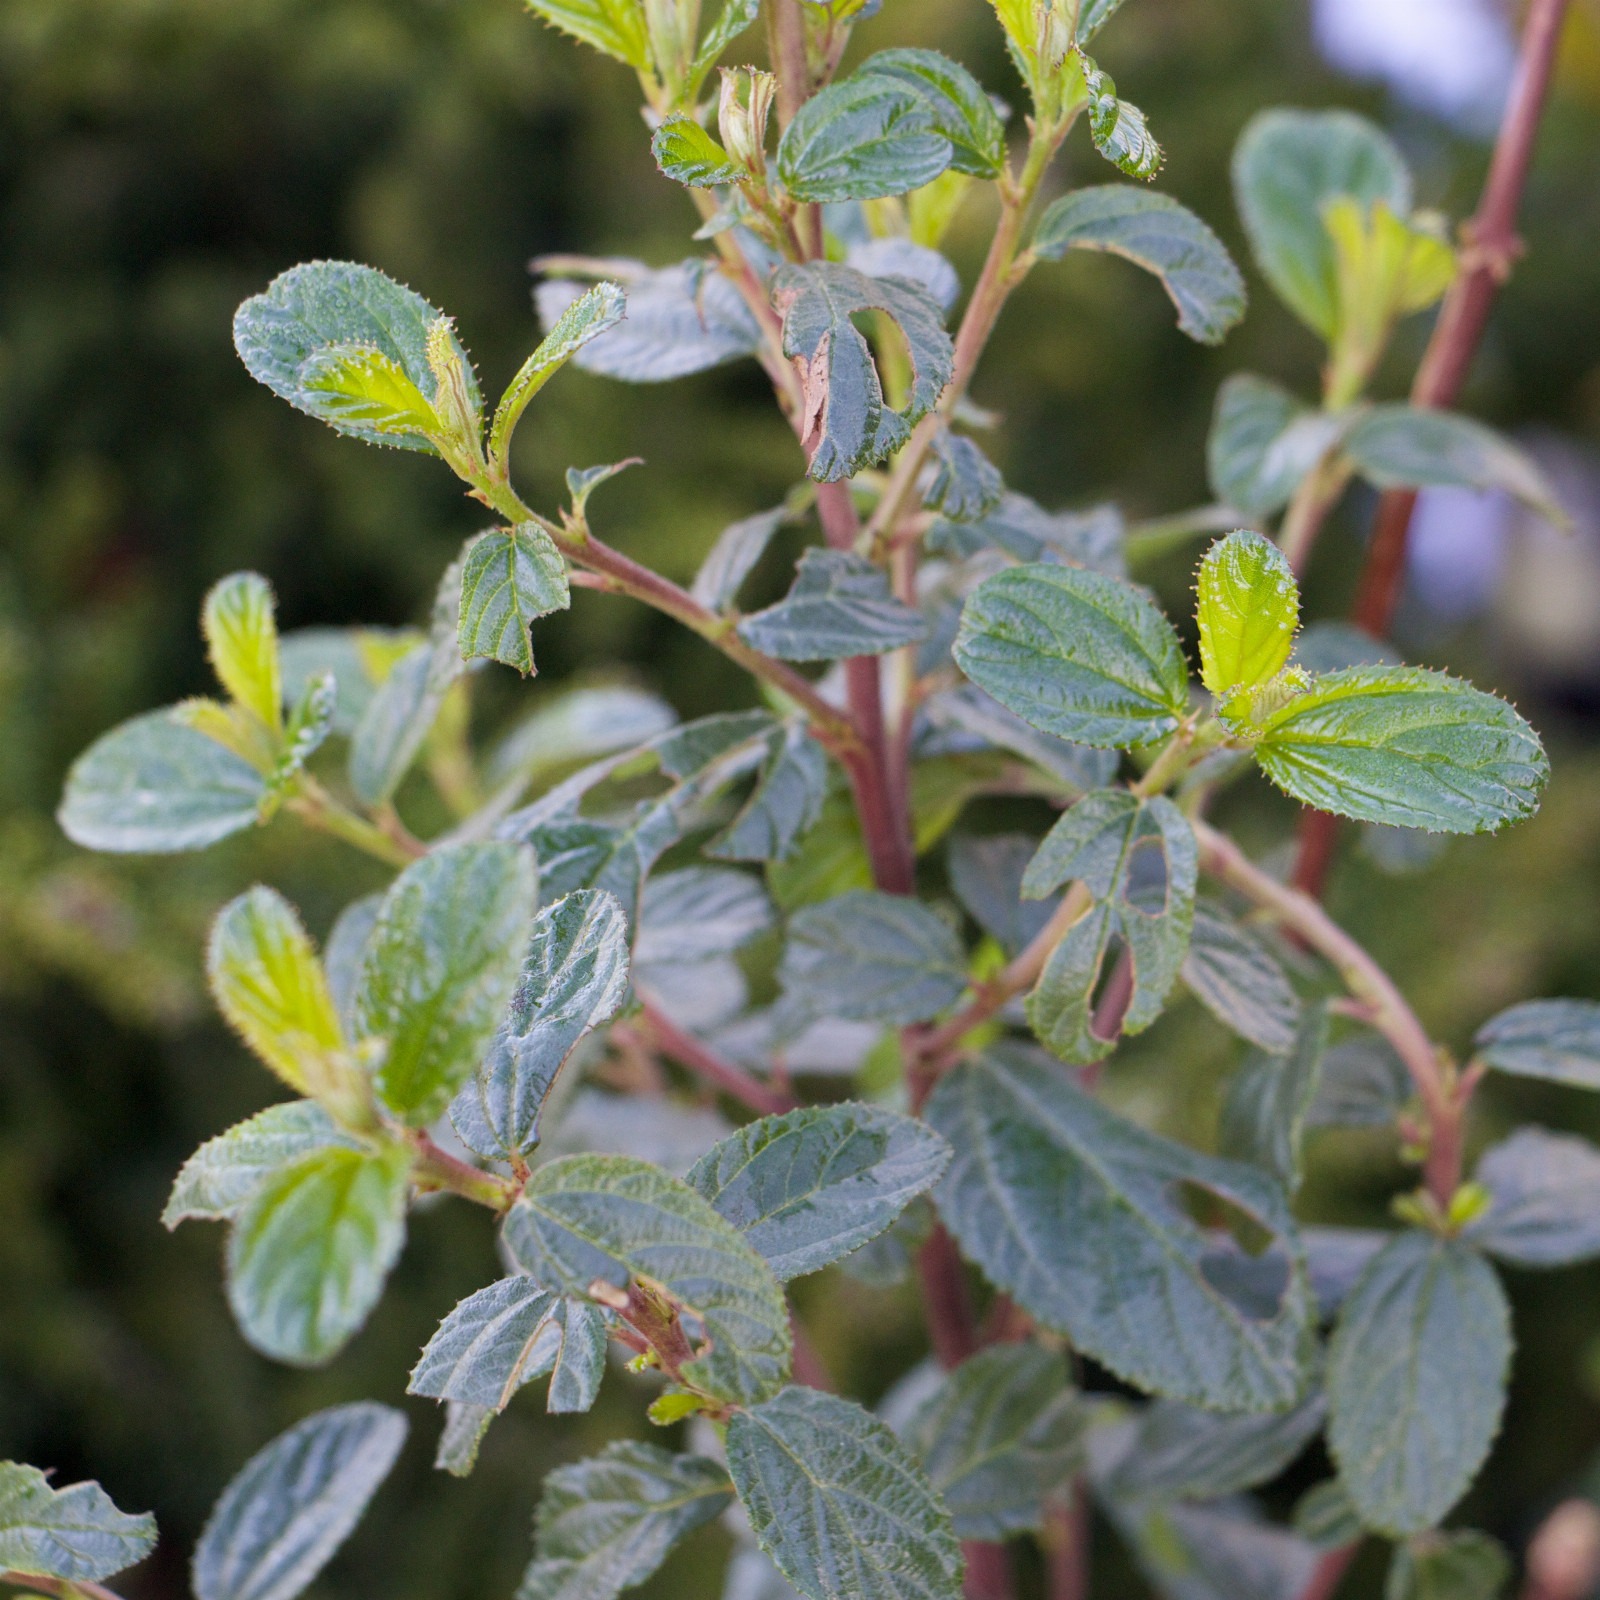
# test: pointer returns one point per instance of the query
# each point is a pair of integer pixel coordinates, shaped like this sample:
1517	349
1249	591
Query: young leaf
1460	1565
1545	1210
439	968
268	983
685	152
733	557
1287	166
589	316
242	641
510	576
1406	447
614	27
1154	232
1047	1186
1557	1040
1263	441
847	423
1416	1380
680	320
1118	127
1000	1436
1249	609
1239	981
1269	1101
358	658
1085	657
295	1502
838	1503
862	139
461	1437
75	1534
583	1218
358	386
1407	746
155	785
309	308
573	977
1181	1453
956	102
606	1524
216	1182
966	484
871	957
808	1187
840	605
309	1253
787	799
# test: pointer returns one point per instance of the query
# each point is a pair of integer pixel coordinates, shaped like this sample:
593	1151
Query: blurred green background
162	159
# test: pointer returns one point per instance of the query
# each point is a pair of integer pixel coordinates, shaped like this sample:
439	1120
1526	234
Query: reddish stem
809	1367
1329	1572
951	1325
988	1571
1067	1548
689	1052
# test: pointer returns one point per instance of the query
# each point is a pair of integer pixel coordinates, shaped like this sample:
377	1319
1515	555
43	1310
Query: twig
37	1583
1066	1547
951	1325
699	1058
1329	1572
438	1169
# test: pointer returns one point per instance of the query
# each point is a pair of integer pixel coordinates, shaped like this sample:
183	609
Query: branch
390	843
689	1052
438	1169
37	1583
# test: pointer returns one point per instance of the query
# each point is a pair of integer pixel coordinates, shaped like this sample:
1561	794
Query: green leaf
241	634
76	1534
732	20
681	319
155	785
1047	1188
309	1253
358	658
578	1362
268	983
871	957
1139	862
1248	611
357	386
1024	529
1407	447
295	1502
1287	167
440	967
216	1182
986	877
1557	1040
1002	1433
733	557
614	27
685	152
1118	127
787	799
1263	441
309	725
583	481
1085	657
1077	768
1154	232
1363	1084
589	316
606	1524
1461	1565
1545	1209
583	1218
839	1504
697	912
1407	746
1239	981
848	425
810	1186
461	1437
573	978
863	139
509	577
966	485
1324	1515
341	956
1416	1380
1093	16
576	725
1265	1115
840	605
325	303
954	100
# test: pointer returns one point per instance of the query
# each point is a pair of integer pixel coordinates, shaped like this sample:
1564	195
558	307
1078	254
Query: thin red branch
38	1584
699	1058
1066	1545
1329	1573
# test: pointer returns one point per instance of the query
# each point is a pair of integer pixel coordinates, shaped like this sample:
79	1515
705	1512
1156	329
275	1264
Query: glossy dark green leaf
840	605
838	1502
1460	1565
871	957
1545	1208
862	139
583	1218
1085	657
606	1524
1239	981
812	1185
295	1502
1558	1040
509	577
309	1253
440	967
76	1534
1077	1214
1268	1104
1000	1436
1287	166
956	102
155	785
1155	232
687	153
1263	441
1407	746
1416	1380
573	977
847	422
